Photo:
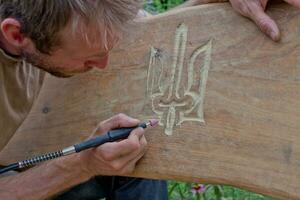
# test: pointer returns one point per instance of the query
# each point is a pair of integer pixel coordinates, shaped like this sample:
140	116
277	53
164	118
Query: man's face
73	56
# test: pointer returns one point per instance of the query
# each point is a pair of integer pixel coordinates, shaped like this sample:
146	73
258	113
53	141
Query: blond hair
42	20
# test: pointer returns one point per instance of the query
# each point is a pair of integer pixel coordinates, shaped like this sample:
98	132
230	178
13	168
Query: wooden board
236	96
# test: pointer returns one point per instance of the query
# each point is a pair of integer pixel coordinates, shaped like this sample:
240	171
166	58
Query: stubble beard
37	60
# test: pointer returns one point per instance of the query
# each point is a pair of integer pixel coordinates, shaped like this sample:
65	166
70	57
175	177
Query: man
64	38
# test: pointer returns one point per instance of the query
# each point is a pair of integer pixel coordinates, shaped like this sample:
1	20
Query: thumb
265	23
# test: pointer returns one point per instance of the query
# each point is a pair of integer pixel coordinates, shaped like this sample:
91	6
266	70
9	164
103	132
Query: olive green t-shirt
20	83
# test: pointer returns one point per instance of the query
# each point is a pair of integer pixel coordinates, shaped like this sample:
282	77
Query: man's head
64	37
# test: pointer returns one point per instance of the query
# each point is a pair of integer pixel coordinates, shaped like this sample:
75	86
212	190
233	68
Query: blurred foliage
183	191
158	6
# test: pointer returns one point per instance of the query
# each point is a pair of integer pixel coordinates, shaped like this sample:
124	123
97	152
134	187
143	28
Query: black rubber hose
13	166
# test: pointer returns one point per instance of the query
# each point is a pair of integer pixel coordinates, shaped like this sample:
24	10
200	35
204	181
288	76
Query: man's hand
255	10
116	158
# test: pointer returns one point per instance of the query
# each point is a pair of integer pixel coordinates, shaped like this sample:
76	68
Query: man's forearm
43	181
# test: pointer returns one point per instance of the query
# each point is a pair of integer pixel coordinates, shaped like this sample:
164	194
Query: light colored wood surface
251	135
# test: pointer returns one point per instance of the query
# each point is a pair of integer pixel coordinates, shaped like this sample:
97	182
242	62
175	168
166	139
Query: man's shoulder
20	84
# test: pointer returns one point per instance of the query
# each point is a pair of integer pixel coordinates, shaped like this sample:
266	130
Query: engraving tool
110	136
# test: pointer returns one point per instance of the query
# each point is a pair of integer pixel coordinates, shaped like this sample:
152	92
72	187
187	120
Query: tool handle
110	136
96	141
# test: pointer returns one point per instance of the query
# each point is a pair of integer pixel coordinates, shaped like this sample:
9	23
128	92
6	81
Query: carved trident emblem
177	92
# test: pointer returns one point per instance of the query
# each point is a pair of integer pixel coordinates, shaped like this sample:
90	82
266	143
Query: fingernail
274	36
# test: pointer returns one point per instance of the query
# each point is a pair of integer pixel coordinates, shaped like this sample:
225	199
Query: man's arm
43	181
48	179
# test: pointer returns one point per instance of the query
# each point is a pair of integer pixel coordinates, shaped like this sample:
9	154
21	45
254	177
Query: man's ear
11	32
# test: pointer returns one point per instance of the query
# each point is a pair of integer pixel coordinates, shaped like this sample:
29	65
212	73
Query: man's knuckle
263	24
246	10
108	157
138	132
116	166
240	4
121	116
136	145
141	130
237	4
245	7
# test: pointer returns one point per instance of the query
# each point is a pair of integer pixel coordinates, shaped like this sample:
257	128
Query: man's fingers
131	160
122	156
133	145
137	133
130	166
127	164
295	3
265	23
255	10
117	121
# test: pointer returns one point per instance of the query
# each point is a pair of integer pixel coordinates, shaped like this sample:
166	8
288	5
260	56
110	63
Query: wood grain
251	135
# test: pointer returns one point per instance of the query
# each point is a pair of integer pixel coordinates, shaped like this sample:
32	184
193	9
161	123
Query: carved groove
175	100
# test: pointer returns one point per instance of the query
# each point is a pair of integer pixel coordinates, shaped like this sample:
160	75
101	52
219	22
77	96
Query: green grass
180	190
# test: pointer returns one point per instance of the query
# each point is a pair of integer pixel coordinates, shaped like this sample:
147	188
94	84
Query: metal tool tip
153	122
